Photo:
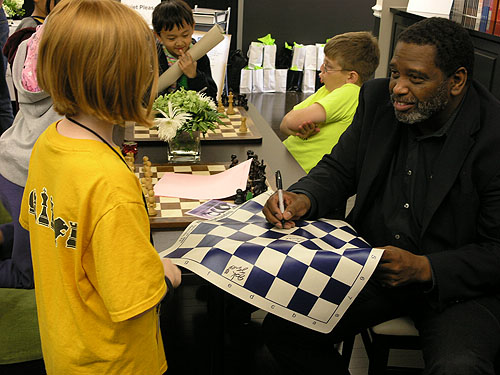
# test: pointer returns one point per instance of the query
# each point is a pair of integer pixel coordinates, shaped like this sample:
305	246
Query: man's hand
187	64
307	129
399	267
296	206
171	271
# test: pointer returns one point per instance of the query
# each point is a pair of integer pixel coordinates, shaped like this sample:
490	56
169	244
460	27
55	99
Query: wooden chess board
171	212
229	132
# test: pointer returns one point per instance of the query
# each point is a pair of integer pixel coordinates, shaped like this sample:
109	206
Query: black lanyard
116	152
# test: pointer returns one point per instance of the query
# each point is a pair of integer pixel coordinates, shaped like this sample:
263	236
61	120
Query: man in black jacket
422	158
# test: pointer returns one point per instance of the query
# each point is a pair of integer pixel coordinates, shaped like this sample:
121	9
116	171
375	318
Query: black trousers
462	339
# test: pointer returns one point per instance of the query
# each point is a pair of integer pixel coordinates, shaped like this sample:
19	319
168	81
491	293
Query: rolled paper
213	37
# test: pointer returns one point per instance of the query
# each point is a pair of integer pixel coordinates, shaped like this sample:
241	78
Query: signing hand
296	205
307	129
399	267
187	64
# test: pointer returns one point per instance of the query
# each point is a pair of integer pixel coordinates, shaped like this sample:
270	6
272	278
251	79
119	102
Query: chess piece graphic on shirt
32	202
52	213
71	242
60	228
43	218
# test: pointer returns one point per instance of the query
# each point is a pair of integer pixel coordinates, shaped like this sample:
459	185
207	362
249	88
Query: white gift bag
246	81
280	79
310	57
255	55
309	81
258	80
320	55
269	80
299	54
269	56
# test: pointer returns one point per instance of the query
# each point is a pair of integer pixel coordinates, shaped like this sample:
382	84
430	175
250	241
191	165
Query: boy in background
98	278
173	24
315	125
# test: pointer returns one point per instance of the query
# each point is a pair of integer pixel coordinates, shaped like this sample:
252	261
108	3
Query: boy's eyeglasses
328	69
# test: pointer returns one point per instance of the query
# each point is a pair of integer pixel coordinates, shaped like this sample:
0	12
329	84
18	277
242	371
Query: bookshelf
486	49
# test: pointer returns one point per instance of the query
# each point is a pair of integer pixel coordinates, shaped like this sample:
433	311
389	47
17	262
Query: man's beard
423	110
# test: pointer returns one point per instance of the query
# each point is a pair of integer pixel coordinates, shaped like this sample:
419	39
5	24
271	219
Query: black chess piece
234	161
240	197
250	154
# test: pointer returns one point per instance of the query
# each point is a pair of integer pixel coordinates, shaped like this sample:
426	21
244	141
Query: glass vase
184	147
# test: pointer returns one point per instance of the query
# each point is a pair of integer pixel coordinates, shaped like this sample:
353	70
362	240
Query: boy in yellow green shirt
315	125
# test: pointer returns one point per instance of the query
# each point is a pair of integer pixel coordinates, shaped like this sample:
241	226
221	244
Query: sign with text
144	7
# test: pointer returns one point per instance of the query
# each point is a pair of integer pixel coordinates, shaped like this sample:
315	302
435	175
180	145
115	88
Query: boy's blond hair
99	57
356	51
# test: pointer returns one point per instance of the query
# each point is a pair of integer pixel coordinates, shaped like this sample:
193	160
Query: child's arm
203	80
293	120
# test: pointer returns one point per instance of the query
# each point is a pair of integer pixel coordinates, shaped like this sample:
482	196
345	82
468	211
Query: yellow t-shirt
93	263
340	106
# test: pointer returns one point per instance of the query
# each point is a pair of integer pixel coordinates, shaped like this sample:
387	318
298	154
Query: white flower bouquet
13	8
185	111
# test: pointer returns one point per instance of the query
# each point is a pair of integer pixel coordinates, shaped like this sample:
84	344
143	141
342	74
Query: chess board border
252	136
180	222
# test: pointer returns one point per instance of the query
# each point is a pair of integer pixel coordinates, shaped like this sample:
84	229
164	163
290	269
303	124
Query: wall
304	22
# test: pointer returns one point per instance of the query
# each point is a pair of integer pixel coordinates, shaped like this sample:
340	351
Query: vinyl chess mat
227	132
171	212
309	274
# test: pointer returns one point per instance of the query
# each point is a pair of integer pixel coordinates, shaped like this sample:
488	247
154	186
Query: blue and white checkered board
309	274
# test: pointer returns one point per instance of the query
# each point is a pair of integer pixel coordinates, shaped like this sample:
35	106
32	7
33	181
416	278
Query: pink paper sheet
216	186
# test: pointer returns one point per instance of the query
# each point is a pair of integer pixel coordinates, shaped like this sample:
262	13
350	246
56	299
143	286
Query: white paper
246	81
309	81
269	57
310	57
143	7
255	55
442	7
258	80
320	55
269	80
299	54
280	79
216	186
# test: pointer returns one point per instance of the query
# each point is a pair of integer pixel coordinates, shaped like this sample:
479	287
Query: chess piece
240	197
151	203
220	108
250	154
145	159
234	161
243	126
230	110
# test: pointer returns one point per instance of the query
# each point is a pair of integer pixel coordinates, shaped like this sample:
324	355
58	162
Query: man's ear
458	81
157	36
353	77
